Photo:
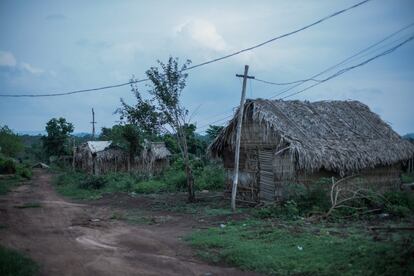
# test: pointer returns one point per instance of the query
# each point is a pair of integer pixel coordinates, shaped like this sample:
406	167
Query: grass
6	184
407	178
29	205
78	185
132	217
82	186
136	216
296	250
13	263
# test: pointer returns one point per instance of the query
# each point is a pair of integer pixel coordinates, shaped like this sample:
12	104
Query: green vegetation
83	186
56	141
11	166
298	249
10	143
6	184
29	205
407	178
13	263
164	110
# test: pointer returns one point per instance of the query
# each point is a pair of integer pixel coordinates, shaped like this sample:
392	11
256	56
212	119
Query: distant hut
155	157
285	142
100	157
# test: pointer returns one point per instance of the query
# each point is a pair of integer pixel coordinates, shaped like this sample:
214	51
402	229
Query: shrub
93	182
25	172
176	179
7	166
150	186
212	177
400	204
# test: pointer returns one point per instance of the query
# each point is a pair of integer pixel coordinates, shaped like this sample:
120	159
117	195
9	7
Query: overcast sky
58	46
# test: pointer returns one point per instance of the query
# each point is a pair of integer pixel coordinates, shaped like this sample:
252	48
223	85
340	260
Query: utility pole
93	124
238	134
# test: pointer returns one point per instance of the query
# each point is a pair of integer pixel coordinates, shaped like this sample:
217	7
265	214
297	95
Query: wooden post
74	154
93	124
238	134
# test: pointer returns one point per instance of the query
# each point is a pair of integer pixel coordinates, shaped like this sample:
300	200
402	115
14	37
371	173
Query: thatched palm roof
340	136
159	150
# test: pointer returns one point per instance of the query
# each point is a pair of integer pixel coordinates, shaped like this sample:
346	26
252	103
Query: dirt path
78	239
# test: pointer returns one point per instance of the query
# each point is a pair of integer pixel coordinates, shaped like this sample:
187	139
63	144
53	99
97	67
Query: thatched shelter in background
285	142
100	157
155	157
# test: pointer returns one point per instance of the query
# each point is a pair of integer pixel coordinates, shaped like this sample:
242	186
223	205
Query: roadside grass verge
82	186
297	249
9	182
79	185
13	263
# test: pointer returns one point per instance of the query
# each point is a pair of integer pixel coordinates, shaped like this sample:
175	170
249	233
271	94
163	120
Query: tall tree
10	143
58	131
164	112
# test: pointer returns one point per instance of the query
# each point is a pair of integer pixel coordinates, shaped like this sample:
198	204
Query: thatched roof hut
298	139
99	157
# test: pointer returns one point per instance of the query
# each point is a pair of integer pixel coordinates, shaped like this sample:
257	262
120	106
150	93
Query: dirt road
79	239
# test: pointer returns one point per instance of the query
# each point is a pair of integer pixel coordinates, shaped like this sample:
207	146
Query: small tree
164	112
126	136
213	131
10	143
58	131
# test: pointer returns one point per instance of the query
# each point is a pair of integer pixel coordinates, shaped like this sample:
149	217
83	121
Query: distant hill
43	132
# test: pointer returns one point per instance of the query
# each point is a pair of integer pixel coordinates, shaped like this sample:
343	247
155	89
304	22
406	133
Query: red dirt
68	238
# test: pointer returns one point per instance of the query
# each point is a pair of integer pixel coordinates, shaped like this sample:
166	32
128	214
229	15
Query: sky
59	46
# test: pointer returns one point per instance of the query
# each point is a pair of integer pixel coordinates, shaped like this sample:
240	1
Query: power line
342	62
200	64
71	92
313	78
340	72
285	83
281	36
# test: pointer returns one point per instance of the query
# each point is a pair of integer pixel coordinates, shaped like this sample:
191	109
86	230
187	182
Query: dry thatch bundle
338	136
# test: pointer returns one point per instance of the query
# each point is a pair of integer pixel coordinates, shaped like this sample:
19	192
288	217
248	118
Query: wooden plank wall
266	180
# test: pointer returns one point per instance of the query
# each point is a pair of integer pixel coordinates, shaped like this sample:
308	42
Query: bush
176	179
7	166
25	172
93	182
212	177
399	203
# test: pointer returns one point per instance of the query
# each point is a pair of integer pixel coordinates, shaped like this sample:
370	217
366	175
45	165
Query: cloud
55	17
31	69
10	64
203	33
7	59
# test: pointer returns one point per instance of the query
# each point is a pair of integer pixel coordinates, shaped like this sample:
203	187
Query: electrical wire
340	72
345	61
200	64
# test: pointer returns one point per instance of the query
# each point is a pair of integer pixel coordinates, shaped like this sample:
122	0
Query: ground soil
83	238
